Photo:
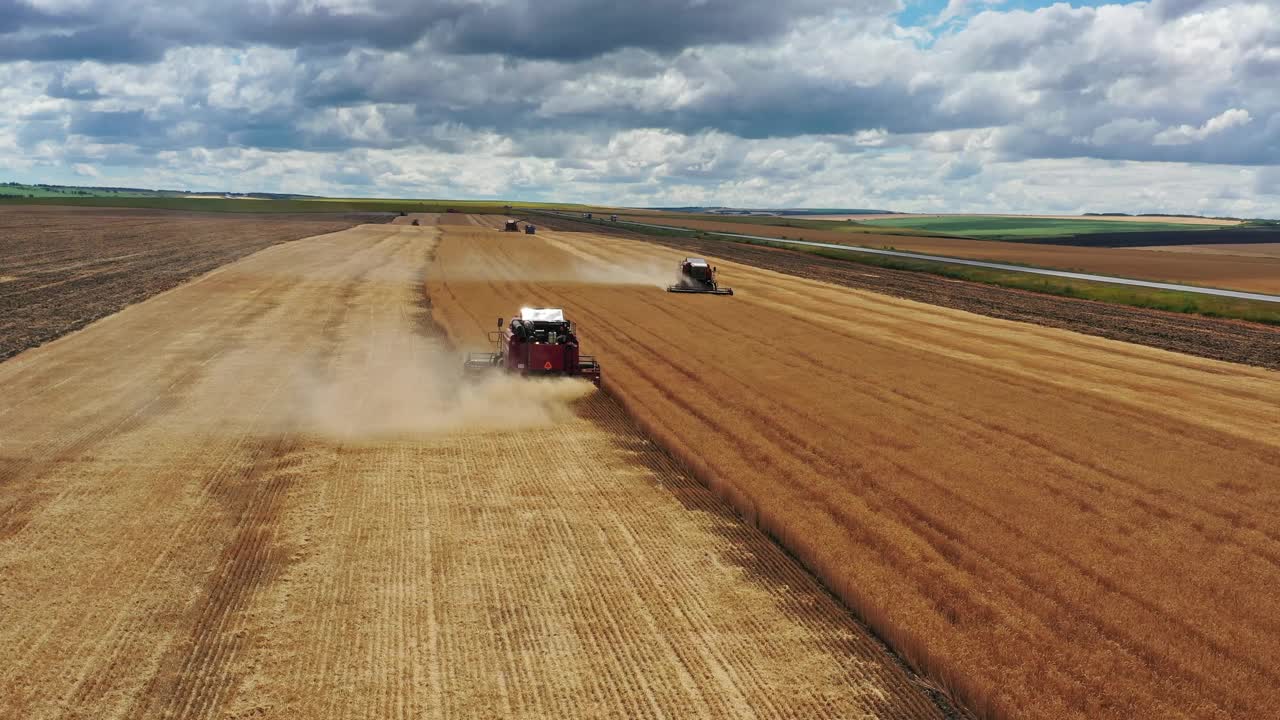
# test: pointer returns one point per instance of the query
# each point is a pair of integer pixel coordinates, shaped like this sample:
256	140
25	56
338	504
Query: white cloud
874	113
1186	134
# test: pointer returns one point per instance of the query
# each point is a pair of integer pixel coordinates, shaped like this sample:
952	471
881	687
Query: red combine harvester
538	343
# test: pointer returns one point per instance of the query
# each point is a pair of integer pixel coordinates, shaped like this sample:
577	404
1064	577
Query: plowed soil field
61	268
1209	269
1056	525
266	494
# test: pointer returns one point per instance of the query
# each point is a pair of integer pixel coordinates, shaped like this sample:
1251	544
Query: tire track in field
192	680
128	636
129	633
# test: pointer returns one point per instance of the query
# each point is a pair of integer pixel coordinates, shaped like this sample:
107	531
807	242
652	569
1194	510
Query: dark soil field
61	268
1229	236
1218	339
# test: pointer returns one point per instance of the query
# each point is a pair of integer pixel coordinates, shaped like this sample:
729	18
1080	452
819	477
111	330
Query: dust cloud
406	402
391	384
590	269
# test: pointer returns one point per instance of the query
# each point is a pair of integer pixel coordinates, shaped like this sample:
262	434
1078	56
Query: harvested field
265	494
1056	525
61	268
1225	271
1140	240
1213	338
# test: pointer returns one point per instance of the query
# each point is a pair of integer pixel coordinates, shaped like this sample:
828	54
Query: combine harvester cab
537	343
511	226
697	276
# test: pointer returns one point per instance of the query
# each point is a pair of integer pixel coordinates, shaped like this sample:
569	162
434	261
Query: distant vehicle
415	222
613	218
540	342
586	215
697	276
529	229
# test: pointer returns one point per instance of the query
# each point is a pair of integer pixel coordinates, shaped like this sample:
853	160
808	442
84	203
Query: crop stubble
1055	525
262	494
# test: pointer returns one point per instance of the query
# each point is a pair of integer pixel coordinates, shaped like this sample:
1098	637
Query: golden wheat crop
1054	525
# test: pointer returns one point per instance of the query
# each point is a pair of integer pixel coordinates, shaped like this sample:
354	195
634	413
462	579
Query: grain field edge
956	696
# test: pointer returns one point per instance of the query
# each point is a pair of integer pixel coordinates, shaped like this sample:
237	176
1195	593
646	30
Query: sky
911	105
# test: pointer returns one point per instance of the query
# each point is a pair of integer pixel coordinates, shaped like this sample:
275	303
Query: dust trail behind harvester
381	374
413	387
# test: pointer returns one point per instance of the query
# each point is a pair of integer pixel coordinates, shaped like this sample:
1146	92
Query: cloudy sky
959	105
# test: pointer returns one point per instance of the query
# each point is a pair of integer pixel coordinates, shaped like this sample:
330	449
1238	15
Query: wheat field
1053	525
